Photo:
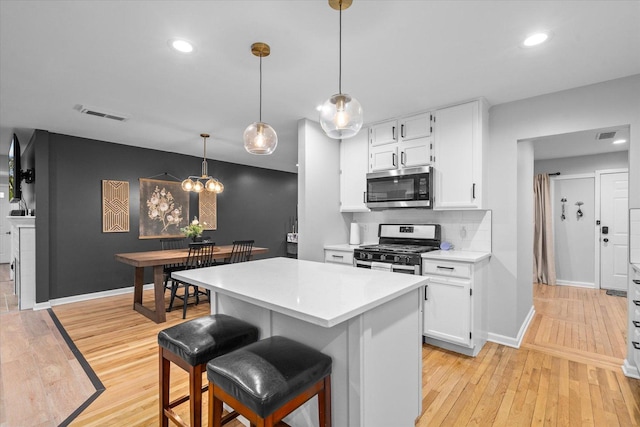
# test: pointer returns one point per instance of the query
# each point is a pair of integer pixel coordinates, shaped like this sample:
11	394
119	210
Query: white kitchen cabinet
396	144
459	133
634	309
454	315
353	173
23	256
339	256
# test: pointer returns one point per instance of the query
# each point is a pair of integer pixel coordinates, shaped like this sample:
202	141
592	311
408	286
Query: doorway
590	222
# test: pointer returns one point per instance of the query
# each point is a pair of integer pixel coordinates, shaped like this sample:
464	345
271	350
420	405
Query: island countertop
323	294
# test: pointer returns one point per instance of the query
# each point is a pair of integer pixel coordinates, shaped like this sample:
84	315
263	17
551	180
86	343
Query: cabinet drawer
340	257
446	268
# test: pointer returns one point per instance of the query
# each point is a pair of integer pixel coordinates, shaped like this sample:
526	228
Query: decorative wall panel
115	206
208	210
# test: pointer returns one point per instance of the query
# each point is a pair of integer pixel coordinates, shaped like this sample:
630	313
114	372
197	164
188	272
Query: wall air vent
605	135
92	111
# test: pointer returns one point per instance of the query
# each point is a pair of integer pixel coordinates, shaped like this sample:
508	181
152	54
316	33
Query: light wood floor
550	380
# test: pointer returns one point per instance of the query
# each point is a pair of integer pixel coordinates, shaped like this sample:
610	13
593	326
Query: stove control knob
397	259
369	256
383	257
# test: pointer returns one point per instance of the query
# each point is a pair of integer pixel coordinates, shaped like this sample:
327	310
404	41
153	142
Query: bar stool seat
190	345
267	380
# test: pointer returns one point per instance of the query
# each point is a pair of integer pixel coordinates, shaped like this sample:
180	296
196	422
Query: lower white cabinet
23	257
634	308
454	315
338	256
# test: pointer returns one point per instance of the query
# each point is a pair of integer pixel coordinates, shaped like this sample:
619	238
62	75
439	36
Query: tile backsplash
466	230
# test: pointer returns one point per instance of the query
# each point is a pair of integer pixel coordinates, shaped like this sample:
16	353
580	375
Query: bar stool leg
195	391
165	370
324	403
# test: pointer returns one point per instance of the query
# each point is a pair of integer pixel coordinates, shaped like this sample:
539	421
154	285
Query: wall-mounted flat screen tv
15	192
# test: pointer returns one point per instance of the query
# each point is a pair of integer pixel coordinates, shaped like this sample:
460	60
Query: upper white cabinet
457	155
400	143
353	173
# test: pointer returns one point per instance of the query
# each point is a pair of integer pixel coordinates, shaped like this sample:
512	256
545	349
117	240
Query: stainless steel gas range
399	248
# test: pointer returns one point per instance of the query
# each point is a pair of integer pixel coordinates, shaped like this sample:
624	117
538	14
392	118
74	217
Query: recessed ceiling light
535	39
181	45
619	141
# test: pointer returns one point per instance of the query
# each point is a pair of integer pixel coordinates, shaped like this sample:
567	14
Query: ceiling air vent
605	135
96	112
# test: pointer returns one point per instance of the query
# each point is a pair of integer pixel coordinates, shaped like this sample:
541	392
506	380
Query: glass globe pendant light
194	183
341	115
259	137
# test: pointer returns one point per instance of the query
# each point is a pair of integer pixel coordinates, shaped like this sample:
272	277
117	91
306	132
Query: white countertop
324	294
454	255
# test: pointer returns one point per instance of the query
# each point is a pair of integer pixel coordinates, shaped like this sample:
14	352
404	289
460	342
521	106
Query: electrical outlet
463	232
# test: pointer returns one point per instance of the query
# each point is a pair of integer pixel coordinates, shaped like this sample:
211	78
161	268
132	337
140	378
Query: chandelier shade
203	182
341	115
259	137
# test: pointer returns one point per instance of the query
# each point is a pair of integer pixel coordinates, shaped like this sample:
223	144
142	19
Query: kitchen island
369	322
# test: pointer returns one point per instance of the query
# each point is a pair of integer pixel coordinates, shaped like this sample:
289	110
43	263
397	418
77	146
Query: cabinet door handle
636	302
337	256
426	289
473	191
402	158
393	133
445	268
636	345
636	323
402	131
393	159
364	196
637	282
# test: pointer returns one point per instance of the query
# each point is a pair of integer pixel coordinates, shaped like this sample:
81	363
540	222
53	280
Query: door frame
598	174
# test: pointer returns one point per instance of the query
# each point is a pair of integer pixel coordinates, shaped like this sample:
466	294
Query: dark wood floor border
97	384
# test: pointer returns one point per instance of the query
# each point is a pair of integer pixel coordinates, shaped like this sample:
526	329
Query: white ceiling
399	57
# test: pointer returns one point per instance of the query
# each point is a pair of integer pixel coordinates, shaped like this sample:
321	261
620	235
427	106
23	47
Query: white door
614	213
5	227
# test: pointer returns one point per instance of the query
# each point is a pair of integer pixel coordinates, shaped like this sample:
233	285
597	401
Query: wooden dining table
157	260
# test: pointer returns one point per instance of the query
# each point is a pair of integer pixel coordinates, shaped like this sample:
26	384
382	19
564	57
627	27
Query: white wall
583	164
606	104
319	219
573	237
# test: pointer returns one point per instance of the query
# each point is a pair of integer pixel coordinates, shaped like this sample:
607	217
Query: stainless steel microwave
400	188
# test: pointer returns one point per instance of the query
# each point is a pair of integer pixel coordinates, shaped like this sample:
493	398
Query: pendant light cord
340	53
261	54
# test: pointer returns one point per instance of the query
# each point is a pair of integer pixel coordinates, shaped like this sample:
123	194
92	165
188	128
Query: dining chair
240	252
200	255
166	244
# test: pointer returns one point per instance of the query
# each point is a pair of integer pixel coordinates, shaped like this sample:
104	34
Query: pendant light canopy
259	137
341	115
204	181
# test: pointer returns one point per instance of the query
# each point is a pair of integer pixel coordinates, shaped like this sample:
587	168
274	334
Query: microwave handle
364	196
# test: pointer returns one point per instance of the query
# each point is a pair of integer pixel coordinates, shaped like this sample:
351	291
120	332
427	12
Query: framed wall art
207	209
115	206
164	209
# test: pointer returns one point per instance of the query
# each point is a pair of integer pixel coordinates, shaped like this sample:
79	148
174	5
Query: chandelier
204	181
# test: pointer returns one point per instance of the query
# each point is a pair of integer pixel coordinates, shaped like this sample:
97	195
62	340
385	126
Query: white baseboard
576	284
629	370
87	297
510	341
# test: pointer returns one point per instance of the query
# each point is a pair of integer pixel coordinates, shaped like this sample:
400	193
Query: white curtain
544	266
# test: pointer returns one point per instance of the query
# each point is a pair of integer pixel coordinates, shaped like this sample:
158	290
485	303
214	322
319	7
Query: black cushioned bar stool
190	345
268	380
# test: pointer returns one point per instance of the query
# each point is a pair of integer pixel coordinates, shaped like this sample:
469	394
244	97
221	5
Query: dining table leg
158	315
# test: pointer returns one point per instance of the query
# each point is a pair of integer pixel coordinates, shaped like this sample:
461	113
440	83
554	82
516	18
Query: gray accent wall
74	256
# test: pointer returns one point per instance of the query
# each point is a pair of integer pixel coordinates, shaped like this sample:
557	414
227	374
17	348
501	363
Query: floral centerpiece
194	229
